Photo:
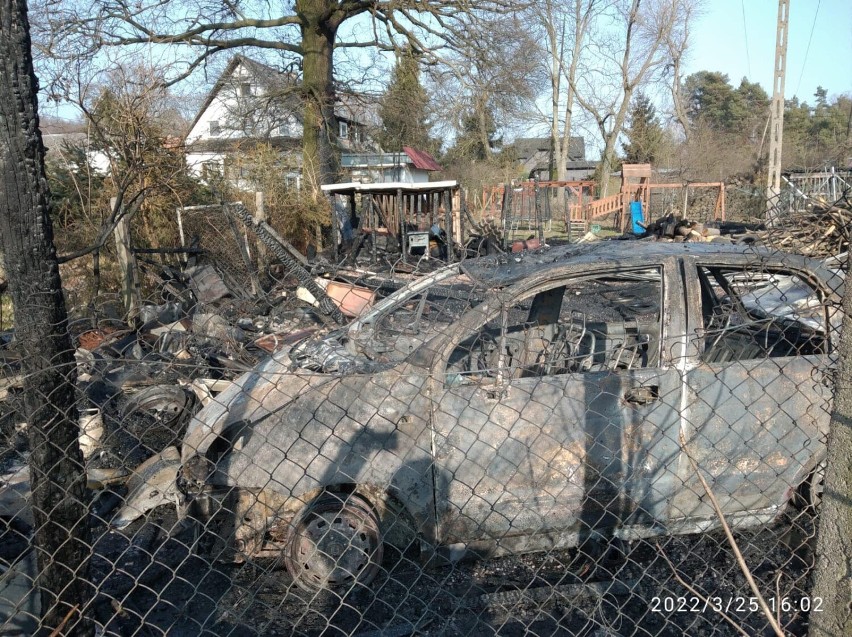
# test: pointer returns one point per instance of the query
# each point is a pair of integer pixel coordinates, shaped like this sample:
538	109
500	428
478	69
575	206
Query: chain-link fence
617	438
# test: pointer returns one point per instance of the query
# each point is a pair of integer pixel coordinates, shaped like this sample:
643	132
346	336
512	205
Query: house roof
527	148
263	72
349	106
421	159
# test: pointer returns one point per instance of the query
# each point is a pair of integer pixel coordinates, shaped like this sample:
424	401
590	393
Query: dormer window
215	129
245	89
343	130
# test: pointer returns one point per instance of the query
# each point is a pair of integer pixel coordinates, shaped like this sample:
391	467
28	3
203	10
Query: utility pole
776	115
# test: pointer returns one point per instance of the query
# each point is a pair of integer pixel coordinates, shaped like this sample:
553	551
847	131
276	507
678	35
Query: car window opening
608	322
754	315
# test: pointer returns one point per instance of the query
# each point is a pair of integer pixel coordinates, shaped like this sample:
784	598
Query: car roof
504	270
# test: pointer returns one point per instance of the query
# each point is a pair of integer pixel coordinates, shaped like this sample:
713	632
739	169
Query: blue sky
719	39
720	35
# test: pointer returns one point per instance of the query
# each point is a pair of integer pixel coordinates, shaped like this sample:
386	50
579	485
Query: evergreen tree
749	110
713	102
820	135
645	135
403	109
476	139
710	97
75	184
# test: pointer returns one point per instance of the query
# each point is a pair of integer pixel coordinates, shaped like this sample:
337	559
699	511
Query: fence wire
550	442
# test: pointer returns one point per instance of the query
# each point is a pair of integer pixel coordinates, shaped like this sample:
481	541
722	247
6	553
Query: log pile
822	230
677	229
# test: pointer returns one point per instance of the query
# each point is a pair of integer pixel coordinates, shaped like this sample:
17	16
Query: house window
215	129
343	130
356	134
245	89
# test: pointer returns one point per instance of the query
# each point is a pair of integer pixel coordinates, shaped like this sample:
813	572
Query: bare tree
133	129
677	45
565	27
488	83
620	57
306	30
26	238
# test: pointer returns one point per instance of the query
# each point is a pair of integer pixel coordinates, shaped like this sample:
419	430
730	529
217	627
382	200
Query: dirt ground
153	584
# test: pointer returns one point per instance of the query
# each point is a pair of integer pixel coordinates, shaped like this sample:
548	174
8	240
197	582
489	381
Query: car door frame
692	496
672	323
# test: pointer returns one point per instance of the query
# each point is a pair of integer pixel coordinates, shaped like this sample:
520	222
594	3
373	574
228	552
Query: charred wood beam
188	250
292	267
59	500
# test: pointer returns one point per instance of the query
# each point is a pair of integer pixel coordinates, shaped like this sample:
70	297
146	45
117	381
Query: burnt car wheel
336	544
809	496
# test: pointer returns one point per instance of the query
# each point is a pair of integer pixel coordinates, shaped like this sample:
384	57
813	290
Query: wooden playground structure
579	209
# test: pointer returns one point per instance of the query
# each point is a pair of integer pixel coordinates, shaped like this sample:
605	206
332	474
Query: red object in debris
90	339
529	244
351	299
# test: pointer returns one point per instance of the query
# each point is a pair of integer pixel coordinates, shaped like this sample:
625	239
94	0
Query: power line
808	49
745	30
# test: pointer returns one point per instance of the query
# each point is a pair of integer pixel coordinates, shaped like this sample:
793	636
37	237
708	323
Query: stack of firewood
822	230
678	229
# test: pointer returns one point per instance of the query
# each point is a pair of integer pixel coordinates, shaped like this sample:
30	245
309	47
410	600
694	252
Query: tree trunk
26	237
581	25
319	154
608	157
833	573
565	149
482	118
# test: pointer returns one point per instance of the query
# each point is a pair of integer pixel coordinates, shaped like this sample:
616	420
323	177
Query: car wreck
520	403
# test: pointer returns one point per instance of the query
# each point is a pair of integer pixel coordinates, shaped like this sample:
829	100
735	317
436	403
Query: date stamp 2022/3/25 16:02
733	604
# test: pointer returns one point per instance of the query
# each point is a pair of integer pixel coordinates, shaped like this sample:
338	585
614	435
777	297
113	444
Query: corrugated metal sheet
421	159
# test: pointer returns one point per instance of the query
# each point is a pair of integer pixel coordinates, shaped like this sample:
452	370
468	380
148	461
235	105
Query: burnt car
523	403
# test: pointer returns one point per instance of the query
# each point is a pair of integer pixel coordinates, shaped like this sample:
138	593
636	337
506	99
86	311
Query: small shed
409	165
406	211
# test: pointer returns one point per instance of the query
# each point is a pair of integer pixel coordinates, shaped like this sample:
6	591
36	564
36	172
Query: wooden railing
585	211
598	208
605	206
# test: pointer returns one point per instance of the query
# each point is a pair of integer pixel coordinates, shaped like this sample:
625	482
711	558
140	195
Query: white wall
227	109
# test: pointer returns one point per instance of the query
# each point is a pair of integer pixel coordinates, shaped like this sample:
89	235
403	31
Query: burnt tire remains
335	544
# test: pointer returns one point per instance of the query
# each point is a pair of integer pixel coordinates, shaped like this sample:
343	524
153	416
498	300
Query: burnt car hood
263	391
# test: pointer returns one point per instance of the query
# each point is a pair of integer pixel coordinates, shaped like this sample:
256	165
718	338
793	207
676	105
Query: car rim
816	486
336	544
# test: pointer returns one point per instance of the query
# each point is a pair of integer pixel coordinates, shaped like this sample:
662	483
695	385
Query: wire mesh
550	442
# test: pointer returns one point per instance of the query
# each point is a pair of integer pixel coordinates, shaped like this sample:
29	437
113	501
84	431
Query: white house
55	144
409	166
253	103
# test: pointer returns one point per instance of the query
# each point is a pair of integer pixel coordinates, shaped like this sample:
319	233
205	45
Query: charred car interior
608	322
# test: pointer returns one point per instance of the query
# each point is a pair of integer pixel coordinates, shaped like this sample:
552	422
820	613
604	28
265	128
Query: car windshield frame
402	296
441	346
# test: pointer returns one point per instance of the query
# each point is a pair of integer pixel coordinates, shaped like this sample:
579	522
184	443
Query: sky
720	37
737	37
